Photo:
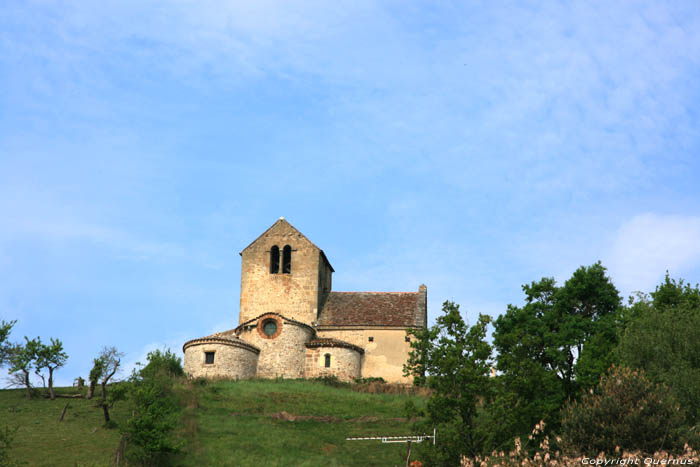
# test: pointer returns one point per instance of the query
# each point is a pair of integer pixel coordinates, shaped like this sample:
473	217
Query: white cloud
649	244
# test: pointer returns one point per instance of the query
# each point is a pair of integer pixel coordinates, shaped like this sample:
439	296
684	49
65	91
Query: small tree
95	375
110	359
23	359
156	410
51	357
627	412
5	346
453	359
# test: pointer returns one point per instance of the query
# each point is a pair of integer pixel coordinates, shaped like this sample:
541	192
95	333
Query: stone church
292	325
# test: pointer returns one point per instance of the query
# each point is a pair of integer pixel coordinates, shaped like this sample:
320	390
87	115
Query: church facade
292	325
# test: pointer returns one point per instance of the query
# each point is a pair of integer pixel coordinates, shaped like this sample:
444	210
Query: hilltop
256	422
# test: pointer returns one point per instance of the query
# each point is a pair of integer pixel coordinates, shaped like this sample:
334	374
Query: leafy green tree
95	375
111	360
5	346
672	294
558	343
453	359
23	360
156	410
661	339
162	362
626	411
50	357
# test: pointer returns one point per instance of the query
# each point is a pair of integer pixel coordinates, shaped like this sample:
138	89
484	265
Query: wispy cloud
649	244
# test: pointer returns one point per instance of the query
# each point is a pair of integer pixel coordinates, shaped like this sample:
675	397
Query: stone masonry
292	325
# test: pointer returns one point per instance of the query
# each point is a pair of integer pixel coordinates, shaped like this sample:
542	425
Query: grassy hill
256	423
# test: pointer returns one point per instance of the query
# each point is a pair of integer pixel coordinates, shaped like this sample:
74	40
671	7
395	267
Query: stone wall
295	295
384	357
230	361
283	354
345	363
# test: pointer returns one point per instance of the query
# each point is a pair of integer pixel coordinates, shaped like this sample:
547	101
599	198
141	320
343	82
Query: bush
156	410
625	412
162	362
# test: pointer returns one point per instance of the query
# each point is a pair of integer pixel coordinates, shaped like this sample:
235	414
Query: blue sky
470	146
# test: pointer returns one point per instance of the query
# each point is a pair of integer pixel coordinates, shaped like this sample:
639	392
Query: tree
453	359
627	412
95	375
558	343
107	364
23	359
111	362
162	362
51	357
156	410
661	339
5	346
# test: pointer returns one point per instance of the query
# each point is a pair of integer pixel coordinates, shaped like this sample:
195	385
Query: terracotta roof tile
372	309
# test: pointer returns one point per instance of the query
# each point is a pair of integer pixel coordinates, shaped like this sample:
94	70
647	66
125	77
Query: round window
269	327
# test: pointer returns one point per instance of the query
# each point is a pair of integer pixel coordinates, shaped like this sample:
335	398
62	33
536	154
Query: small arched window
275	260
287	260
328	360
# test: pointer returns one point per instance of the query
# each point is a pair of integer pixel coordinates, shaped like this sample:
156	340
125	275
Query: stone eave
324	342
235	342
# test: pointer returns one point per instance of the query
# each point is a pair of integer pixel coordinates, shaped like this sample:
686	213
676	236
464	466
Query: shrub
625	412
165	362
149	432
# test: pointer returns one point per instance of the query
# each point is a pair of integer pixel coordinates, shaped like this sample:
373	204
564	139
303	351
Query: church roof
401	309
330	342
225	337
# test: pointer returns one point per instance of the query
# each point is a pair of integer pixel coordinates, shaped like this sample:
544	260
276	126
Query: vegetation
552	348
457	358
50	357
244	423
5	346
573	359
662	340
22	361
594	376
149	431
626	411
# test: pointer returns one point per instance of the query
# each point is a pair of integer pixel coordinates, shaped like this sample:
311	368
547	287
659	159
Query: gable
283	228
400	309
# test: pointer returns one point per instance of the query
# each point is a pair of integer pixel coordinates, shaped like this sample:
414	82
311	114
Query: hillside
256	423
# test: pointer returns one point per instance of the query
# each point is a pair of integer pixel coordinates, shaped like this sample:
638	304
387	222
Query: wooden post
408	457
63	414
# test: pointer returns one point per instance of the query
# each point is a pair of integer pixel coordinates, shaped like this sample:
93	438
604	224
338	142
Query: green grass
225	423
42	440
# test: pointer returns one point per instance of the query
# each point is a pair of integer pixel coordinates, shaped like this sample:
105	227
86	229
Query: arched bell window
275	260
287	260
327	362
